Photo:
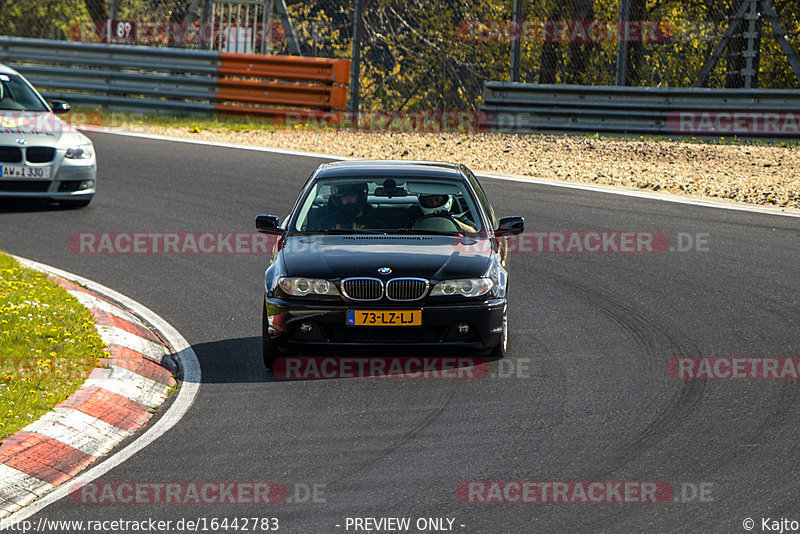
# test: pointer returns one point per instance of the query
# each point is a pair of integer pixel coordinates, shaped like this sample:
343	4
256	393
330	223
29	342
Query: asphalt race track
582	396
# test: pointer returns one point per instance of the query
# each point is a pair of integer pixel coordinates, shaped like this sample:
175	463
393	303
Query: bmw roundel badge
384	270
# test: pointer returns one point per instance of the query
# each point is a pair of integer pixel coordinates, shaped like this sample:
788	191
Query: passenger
430	205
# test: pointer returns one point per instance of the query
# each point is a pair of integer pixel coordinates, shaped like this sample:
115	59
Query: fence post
622	44
516	41
753	53
113	9
355	66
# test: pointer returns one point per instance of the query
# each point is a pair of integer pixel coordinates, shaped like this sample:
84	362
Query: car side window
17	96
482	199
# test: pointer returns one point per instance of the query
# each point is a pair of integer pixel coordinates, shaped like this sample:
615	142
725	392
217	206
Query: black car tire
269	350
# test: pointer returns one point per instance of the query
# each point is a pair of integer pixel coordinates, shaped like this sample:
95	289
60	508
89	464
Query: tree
579	53
551	58
638	12
97	9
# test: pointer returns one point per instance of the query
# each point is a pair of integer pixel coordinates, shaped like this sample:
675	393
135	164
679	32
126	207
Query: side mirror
59	107
510	226
269	224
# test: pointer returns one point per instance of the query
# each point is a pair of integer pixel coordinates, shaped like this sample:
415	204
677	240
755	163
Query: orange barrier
283	114
315	96
294	68
241	80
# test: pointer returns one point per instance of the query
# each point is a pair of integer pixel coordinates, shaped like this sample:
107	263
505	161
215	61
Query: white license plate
20	171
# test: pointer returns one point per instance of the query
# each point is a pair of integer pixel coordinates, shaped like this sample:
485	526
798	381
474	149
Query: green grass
48	345
120	119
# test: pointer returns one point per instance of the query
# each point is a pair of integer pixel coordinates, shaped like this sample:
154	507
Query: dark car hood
431	257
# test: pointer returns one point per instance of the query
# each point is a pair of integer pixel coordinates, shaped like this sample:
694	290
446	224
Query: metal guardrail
305	69
323	94
520	107
154	79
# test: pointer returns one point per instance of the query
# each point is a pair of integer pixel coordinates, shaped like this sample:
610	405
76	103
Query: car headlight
465	287
301	287
85	151
498	276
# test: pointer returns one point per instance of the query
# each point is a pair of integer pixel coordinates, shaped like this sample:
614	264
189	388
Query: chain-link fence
436	54
654	43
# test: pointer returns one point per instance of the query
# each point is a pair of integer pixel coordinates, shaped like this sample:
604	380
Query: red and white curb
113	403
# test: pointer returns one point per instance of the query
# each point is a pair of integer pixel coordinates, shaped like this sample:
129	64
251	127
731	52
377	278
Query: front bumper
440	326
64	184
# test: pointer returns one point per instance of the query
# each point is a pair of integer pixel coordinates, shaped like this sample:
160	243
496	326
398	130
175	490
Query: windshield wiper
345	231
424	232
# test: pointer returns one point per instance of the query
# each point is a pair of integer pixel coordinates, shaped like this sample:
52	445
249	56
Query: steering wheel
442	216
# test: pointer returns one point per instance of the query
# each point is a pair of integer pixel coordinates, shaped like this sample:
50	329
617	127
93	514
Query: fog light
463	328
306	328
86	184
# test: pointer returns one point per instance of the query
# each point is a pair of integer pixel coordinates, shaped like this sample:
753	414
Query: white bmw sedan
41	156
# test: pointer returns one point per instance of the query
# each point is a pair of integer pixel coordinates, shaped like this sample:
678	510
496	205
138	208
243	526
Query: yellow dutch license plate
384	317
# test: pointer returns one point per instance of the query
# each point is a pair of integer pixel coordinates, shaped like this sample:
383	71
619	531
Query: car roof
4	69
432	169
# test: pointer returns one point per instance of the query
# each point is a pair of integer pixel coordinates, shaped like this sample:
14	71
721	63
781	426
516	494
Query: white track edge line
610	189
221	144
654	195
190	383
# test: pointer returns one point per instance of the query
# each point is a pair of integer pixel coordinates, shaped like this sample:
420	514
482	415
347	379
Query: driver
430	205
348	209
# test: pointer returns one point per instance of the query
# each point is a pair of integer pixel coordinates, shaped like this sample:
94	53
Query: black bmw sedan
387	254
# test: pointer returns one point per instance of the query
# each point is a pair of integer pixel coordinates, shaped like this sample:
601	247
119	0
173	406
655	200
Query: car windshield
16	95
388	205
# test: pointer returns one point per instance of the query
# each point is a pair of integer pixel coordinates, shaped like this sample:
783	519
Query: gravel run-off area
765	174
